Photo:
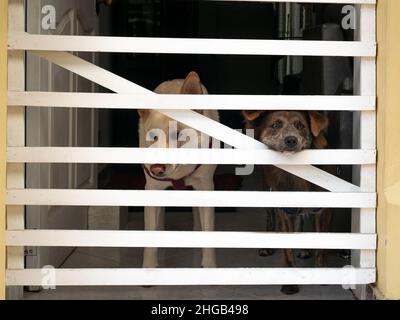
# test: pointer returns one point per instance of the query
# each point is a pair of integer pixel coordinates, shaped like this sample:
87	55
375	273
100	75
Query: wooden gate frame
3	140
368	184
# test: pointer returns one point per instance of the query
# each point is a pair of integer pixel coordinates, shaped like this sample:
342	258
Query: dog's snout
291	142
158	169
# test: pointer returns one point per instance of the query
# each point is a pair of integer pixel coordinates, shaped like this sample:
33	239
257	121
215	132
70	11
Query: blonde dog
155	130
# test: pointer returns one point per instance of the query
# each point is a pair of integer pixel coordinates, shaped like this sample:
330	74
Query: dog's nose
291	142
158	169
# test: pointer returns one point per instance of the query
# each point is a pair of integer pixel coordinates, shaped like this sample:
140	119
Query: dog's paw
265	252
290	289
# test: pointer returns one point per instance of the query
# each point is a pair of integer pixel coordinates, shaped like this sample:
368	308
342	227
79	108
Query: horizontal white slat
191	46
220	102
183	239
174	198
192	276
191	118
186	156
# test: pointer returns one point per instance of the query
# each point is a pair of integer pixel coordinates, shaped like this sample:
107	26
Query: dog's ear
192	84
320	142
143	113
251	115
318	123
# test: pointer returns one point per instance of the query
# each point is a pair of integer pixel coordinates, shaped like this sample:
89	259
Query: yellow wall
3	121
388	148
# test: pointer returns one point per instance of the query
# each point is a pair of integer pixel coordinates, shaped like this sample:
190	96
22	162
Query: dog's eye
299	125
277	124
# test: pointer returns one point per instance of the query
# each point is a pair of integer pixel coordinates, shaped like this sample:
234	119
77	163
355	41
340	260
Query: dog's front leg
207	222
322	224
151	223
286	225
298	222
207	218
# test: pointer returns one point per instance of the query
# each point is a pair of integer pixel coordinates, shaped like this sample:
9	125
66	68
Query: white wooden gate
342	194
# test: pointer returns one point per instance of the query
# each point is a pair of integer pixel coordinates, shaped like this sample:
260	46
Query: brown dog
291	131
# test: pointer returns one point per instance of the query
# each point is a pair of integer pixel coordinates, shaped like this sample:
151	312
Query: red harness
177	184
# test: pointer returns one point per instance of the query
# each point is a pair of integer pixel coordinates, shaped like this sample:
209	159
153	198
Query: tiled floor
191	293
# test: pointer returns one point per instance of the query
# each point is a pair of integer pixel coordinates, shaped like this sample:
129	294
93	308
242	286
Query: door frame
71	22
3	139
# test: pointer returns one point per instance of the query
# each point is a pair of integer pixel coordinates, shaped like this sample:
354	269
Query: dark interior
223	74
258	75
